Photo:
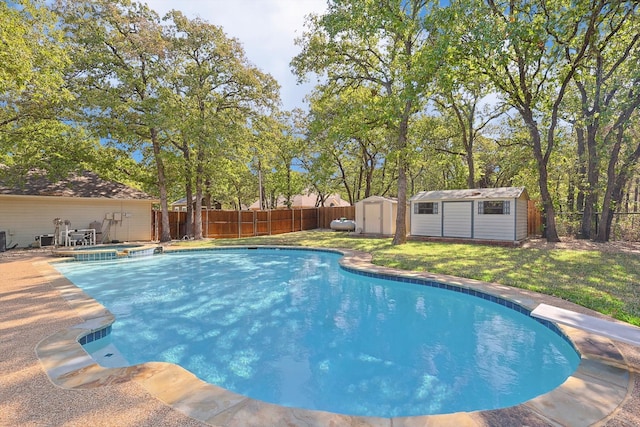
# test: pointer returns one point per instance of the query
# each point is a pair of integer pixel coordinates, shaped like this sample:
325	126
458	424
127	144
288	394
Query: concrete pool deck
46	379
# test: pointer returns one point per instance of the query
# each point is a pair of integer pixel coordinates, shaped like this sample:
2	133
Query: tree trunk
197	215
593	178
162	186
188	188
551	232
615	185
189	191
400	236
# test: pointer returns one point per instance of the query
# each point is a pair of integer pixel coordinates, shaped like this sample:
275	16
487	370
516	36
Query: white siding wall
359	216
389	218
494	227
426	224
522	219
24	217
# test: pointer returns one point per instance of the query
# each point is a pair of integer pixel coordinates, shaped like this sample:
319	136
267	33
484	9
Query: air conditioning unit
45	240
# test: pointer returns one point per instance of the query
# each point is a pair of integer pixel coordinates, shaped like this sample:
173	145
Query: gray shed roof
87	184
475	193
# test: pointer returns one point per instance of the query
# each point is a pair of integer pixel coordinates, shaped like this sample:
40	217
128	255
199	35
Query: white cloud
266	29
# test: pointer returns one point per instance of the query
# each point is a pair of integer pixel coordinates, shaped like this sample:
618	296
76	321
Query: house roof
306	201
475	193
87	184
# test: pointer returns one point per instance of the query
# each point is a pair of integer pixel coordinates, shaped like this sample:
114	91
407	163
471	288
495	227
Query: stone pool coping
600	387
97	253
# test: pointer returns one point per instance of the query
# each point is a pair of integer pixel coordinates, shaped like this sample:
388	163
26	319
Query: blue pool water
290	327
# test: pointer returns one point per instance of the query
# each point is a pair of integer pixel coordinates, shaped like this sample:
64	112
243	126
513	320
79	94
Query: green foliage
396	109
34	94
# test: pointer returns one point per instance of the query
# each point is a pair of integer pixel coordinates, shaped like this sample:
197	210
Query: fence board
534	219
328	214
233	224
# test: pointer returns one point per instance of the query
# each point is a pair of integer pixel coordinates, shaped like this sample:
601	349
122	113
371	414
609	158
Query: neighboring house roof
475	193
87	184
306	201
182	203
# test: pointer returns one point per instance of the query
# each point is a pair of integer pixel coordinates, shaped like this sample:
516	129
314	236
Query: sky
266	29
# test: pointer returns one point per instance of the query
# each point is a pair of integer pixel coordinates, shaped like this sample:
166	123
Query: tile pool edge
591	394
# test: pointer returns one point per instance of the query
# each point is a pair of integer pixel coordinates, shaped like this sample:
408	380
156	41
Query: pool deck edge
602	383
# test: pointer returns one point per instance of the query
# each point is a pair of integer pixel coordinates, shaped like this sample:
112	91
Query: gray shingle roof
475	193
87	184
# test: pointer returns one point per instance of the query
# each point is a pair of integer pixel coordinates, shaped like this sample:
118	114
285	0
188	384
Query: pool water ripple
290	327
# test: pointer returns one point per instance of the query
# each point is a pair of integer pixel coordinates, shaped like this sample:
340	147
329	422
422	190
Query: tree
217	90
117	49
347	133
34	94
608	97
384	46
471	118
530	51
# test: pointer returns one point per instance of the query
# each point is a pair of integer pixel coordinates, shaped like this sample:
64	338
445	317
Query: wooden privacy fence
534	219
234	224
221	224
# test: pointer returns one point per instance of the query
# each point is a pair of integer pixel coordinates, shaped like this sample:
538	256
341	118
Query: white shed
377	215
485	213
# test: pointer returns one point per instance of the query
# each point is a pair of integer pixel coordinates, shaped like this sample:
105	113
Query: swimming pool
302	332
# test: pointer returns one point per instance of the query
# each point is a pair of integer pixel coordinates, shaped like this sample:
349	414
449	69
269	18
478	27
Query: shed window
501	207
430	208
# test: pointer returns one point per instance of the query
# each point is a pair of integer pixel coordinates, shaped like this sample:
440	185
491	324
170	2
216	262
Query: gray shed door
372	218
457	219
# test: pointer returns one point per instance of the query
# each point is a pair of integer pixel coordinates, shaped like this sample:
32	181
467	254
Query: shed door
457	219
372	218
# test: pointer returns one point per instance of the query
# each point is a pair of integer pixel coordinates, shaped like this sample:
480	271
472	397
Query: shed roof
474	193
87	184
380	198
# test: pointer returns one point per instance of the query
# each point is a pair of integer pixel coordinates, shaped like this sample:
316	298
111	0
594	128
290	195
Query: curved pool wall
603	374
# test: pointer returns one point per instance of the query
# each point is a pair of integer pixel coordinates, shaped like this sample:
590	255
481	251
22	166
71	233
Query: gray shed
485	213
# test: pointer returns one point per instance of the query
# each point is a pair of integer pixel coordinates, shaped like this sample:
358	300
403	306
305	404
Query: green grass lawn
604	282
